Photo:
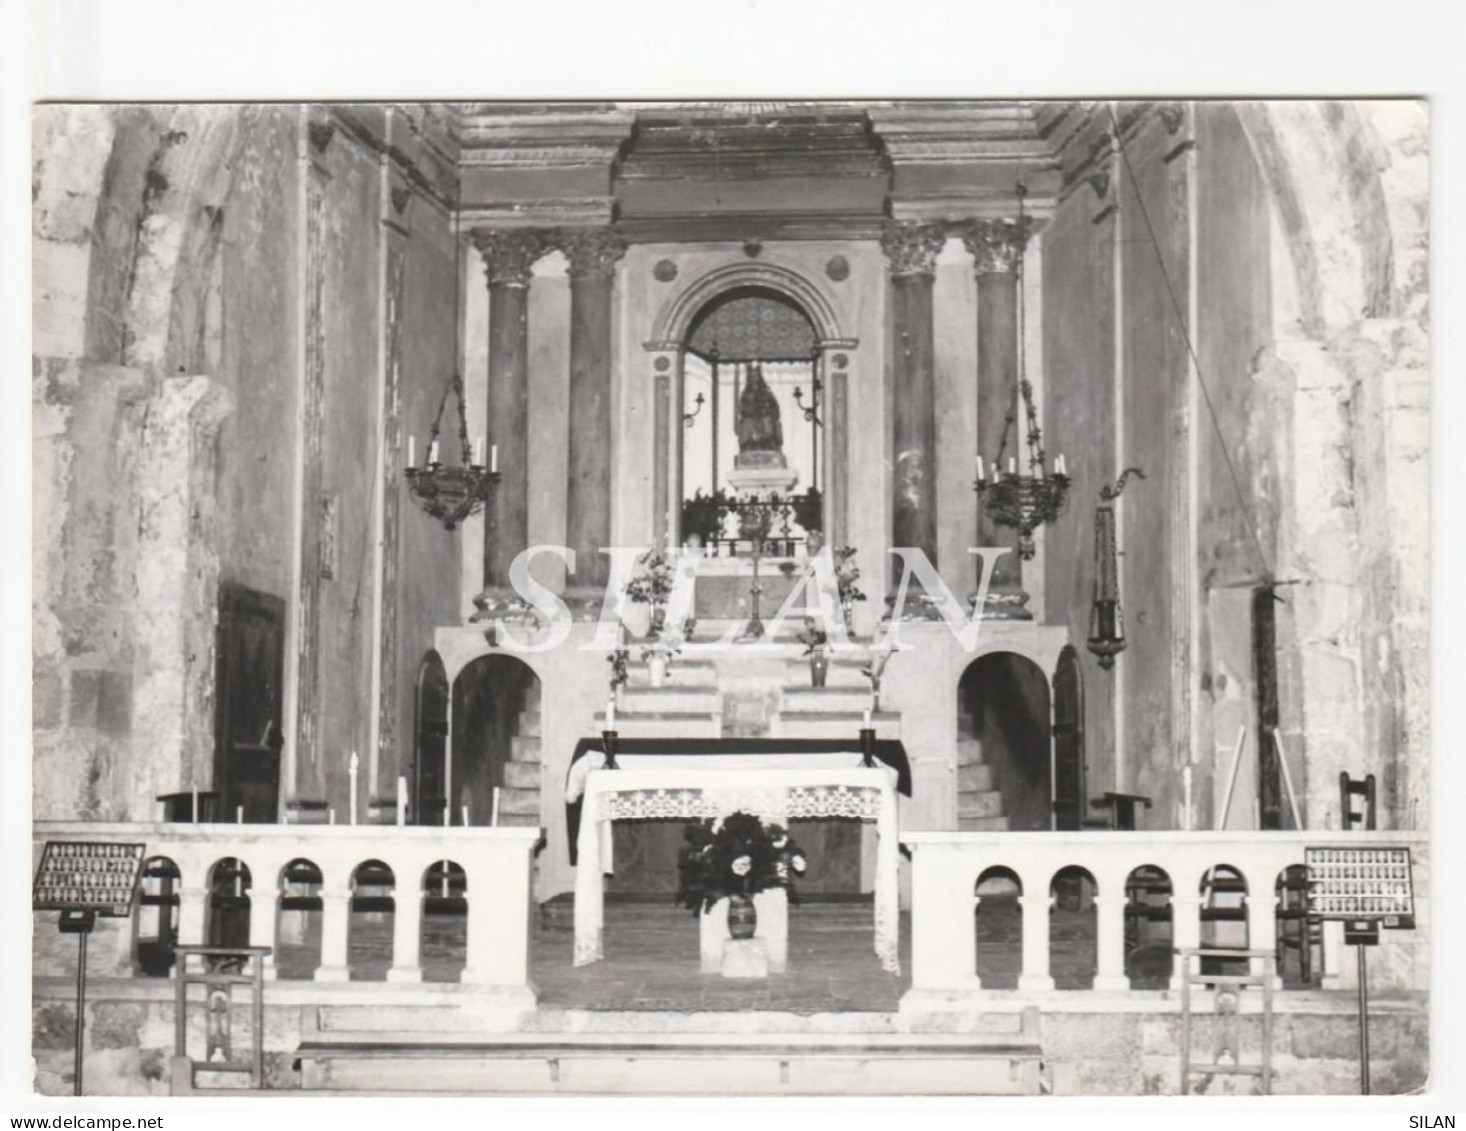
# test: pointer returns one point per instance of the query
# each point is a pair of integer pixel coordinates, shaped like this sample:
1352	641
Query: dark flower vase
819	668
742	916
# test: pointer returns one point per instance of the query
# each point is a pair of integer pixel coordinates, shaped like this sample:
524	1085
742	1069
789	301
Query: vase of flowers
847	574
817	647
734	858
652	586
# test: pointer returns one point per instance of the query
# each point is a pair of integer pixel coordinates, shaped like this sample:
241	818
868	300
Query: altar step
666	724
824	700
837	724
1002	1062
670	699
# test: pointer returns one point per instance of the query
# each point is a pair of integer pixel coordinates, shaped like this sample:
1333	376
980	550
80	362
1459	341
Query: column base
968	998
1002	604
502	603
404	974
1039	982
1109	983
332	974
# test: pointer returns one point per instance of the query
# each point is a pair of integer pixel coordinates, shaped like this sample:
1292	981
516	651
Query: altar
776	787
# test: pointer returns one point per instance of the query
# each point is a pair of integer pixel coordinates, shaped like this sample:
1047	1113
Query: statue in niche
760	434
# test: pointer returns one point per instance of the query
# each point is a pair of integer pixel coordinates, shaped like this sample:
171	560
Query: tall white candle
1186	797
331	816
401	800
411	450
478	452
447	815
1012	466
239	814
433	452
1059	467
980	474
351	769
494	812
611	713
494	458
465	816
865	719
195	806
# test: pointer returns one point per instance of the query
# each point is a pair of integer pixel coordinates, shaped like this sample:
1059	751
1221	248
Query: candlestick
494	458
411	450
351	769
401	800
494	812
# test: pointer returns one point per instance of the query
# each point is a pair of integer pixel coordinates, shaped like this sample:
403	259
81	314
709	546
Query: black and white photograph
720	596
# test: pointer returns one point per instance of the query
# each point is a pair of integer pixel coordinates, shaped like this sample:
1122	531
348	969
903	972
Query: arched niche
1003	704
494	717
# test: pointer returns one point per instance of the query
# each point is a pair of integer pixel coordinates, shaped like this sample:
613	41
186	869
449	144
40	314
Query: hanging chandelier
1106	618
452	492
1023	498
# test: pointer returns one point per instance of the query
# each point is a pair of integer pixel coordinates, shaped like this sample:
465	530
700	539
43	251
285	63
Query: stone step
525	748
522	775
847	700
974	776
670	724
972	804
669	699
529	723
680	673
520	803
969	752
843	724
982	824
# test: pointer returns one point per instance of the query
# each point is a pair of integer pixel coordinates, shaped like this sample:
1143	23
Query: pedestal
745	958
773	931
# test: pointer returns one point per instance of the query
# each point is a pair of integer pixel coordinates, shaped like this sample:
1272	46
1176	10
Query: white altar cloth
774	788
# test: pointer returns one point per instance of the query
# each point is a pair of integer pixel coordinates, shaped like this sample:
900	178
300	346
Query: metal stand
608	742
868	747
1363	933
80	924
754	629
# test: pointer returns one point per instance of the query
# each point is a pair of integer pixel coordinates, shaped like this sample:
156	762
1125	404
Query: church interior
437	507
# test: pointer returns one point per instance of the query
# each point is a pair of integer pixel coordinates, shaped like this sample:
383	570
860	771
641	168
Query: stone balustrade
946	868
495	865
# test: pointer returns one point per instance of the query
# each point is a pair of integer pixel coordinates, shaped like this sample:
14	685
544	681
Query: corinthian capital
508	253
591	251
912	247
997	245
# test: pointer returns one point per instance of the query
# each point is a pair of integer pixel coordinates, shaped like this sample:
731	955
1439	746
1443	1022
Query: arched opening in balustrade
1223	913
155	921
427	794
1073	933
298	925
227	921
1004	773
444	948
369	926
495	742
1149	928
999	928
1299	942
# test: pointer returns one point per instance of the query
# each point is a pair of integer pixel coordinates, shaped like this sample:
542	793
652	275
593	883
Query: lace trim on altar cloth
777	804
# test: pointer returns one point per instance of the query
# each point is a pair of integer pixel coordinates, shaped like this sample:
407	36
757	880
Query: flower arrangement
847	573
619	659
735	855
815	639
653	586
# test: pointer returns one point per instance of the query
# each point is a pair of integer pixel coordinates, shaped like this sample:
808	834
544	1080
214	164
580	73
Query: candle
1059	467
433	452
478	452
980	473
195	806
331	816
351	768
611	713
411	450
494	813
1012	466
447	815
465	816
494	458
1186	796
401	800
865	720
239	814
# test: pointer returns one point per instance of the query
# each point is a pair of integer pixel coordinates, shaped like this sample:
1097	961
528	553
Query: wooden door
429	795
1068	741
249	675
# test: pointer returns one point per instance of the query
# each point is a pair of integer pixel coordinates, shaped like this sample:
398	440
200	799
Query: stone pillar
1109	925
193	913
508	256
1185	927
912	249
1262	927
1035	975
406	937
264	913
335	924
593	254
997	249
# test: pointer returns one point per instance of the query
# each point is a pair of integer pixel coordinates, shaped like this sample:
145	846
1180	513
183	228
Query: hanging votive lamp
1106	616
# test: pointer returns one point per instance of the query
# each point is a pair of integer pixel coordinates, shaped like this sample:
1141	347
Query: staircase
519	802
979	802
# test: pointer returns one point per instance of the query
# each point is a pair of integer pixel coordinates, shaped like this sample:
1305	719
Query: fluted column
997	248
593	254
912	249
508	256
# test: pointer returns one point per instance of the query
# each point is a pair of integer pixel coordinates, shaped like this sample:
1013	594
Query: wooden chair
1296	929
1349	789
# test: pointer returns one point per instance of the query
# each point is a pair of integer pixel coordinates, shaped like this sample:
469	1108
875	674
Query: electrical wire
1242	500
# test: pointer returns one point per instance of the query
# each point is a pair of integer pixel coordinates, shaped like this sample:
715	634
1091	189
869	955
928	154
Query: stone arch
1004	707
673	321
494	741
